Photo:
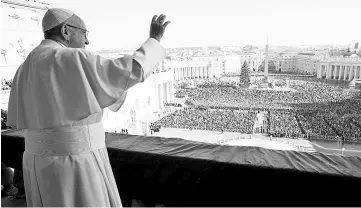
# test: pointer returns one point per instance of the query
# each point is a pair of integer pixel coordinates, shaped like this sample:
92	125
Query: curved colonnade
196	70
346	71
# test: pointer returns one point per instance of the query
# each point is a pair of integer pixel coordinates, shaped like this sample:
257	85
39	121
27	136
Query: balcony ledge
177	172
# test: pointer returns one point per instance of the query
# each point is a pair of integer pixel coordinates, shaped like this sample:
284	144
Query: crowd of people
283	124
314	126
209	119
306	93
123	131
315	110
172	104
154	127
344	127
4	117
6	84
301	113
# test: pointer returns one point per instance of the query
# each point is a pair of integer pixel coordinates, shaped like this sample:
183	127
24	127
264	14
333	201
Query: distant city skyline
121	25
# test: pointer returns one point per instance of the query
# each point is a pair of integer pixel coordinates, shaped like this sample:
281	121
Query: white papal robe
57	96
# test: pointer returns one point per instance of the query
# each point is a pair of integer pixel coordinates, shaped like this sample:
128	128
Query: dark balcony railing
177	172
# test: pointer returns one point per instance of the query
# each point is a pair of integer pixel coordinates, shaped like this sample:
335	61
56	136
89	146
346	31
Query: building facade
252	58
21	31
144	101
339	68
196	69
233	63
296	62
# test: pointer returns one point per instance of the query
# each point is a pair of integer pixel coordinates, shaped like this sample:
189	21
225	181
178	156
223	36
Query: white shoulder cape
57	86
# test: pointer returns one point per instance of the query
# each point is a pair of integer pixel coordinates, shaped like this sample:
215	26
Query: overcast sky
120	24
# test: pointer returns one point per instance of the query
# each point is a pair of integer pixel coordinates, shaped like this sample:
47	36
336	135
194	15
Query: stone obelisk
266	63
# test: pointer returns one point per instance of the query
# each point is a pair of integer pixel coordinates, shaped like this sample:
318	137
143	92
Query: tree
244	80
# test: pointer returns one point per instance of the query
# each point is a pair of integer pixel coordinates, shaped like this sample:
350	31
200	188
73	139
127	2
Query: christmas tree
244	80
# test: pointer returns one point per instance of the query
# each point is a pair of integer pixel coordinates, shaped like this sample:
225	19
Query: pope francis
58	96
